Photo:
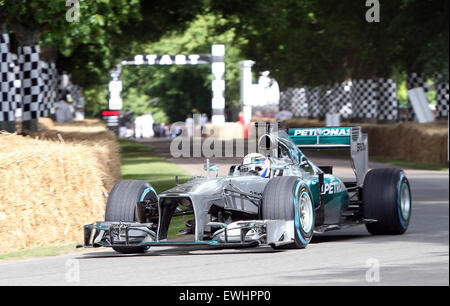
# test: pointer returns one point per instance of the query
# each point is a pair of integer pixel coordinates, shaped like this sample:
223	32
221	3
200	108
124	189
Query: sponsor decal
360	146
323	132
333	187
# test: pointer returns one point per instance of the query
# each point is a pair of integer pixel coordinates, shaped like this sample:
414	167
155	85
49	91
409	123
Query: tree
312	42
106	31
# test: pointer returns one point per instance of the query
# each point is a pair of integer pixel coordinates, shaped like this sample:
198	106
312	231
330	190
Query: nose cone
197	186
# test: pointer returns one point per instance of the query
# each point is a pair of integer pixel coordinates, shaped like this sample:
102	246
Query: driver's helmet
256	163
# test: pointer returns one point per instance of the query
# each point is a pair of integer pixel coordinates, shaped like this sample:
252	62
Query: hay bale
54	183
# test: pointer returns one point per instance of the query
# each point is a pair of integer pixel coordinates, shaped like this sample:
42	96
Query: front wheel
289	198
121	206
387	199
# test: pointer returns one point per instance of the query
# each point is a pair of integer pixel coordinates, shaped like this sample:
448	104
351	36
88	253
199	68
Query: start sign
216	59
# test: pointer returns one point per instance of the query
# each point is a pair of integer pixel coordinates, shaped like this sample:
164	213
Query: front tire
387	199
121	206
288	198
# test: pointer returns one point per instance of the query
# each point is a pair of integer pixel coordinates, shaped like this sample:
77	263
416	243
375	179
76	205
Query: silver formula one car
275	197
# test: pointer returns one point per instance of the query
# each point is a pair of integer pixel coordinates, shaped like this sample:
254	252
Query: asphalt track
346	257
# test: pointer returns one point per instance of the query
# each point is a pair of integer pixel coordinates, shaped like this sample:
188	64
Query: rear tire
121	206
387	198
289	198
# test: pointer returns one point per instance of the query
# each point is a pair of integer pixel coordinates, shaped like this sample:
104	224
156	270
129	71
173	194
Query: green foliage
318	42
139	163
96	99
301	42
141	104
106	30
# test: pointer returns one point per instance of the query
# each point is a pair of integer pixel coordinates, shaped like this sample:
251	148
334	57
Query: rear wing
329	138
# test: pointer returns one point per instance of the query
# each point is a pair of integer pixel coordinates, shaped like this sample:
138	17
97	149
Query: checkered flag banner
387	100
44	109
295	100
442	100
49	89
313	94
31	81
7	106
333	97
441	97
53	88
16	90
364	99
284	100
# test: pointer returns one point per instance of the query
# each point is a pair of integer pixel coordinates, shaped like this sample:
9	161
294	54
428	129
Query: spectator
203	121
63	111
245	127
79	114
147	125
189	126
163	130
138	127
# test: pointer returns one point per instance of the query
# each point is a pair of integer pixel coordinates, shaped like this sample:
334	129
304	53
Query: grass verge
39	252
140	163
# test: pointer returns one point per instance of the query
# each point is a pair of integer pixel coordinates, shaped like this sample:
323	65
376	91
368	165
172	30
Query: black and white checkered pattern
16	90
31	81
49	88
295	100
442	100
77	95
364	99
333	96
284	100
7	105
315	101
387	100
53	84
327	101
44	105
313	94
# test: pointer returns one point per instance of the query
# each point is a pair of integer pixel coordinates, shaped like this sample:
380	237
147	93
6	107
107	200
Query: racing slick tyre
289	198
121	206
387	199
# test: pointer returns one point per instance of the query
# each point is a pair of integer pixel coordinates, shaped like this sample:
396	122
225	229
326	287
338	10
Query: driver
256	163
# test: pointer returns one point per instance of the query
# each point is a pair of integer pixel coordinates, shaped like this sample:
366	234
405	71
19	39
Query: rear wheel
121	206
387	199
288	198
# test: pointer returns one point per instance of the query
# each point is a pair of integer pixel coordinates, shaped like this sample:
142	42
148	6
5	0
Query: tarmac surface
345	257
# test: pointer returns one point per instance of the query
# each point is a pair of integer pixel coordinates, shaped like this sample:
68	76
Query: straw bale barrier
53	182
421	143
